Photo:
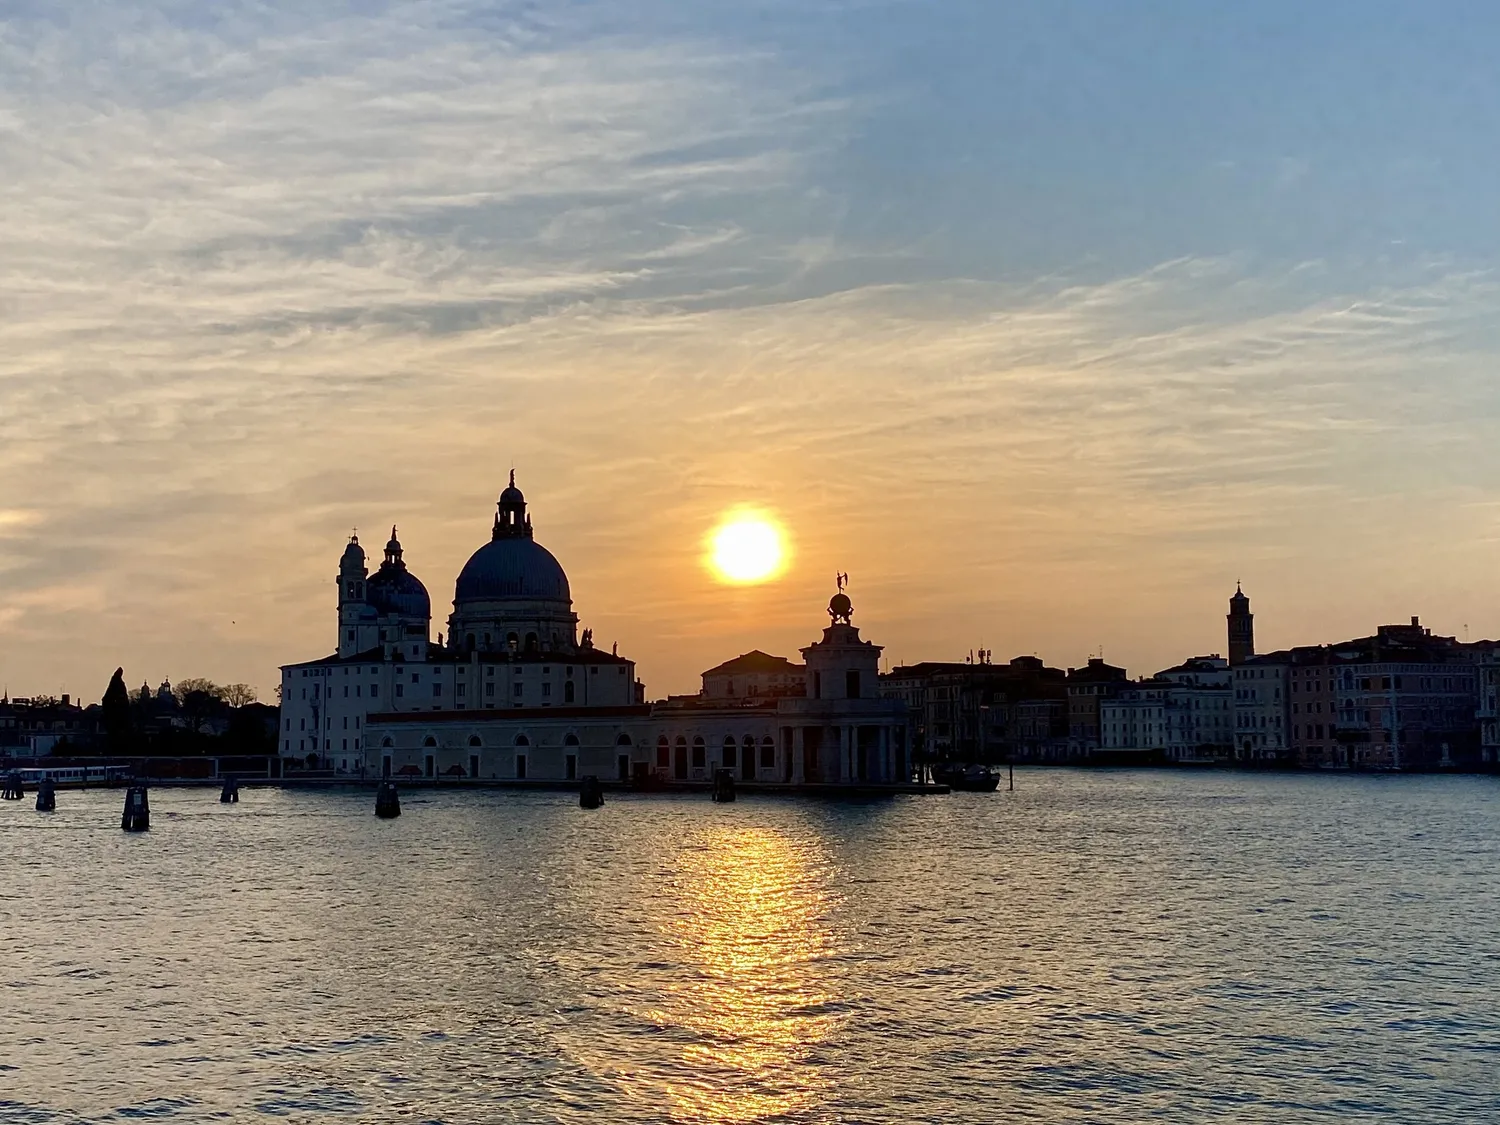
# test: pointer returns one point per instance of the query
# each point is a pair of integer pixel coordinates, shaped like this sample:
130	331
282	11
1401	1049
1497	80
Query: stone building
517	695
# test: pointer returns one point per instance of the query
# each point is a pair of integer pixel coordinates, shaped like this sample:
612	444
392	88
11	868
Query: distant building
973	710
1406	699
1401	699
753	674
1241	628
1260	707
1181	714
32	727
1087	688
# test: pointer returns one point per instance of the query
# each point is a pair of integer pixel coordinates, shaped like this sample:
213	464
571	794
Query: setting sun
747	547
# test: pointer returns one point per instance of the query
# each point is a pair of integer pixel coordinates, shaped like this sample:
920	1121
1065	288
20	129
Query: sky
1046	321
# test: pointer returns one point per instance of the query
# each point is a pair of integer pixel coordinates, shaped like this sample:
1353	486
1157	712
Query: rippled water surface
1095	947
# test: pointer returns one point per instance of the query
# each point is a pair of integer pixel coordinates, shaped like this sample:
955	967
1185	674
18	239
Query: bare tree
237	695
190	684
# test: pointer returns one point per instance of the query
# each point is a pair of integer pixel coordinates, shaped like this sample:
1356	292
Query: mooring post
1012	776
590	793
46	796
230	794
387	801
13	790
723	786
137	815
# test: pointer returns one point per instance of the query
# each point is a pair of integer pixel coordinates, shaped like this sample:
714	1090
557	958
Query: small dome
512	568
396	590
354	554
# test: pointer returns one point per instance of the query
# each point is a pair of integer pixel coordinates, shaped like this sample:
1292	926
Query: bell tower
352	606
1241	628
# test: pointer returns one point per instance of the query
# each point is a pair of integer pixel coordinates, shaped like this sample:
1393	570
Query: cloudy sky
1047	320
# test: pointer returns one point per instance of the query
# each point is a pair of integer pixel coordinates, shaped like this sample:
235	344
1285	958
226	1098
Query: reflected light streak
752	920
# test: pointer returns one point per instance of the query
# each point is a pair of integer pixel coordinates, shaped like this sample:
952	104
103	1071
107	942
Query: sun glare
747	547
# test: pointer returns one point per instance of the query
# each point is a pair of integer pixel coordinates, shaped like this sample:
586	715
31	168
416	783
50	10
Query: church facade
516	695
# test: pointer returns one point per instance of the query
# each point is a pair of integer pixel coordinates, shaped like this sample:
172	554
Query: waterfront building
31	727
1400	699
1487	673
516	694
1406	699
1260	707
976	710
1087	688
1181	714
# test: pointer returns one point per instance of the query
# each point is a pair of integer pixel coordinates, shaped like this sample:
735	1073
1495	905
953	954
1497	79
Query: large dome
515	567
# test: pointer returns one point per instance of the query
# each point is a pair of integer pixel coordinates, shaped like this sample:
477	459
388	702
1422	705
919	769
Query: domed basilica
515	695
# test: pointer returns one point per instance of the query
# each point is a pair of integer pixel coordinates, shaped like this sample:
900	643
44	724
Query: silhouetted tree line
201	717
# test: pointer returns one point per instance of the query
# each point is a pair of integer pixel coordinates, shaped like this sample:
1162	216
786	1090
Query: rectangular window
546	690
345	745
570	764
460	689
400	690
437	689
489	689
767	757
521	765
517	691
699	756
375	690
416	677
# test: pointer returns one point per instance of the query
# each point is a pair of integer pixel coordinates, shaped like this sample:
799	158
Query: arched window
386	743
531	642
469	642
700	753
429	741
512	640
623	740
663	753
570	740
522	740
474	740
729	757
568	692
767	753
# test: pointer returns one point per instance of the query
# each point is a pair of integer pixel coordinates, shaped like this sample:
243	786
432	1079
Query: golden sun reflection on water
752	920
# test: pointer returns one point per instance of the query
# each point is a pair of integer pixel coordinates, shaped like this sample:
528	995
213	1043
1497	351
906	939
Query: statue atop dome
840	608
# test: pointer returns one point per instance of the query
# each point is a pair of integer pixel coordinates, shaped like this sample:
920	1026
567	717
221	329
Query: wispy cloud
284	271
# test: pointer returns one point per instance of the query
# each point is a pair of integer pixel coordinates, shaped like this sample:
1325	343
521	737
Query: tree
190	684
237	695
116	712
199	707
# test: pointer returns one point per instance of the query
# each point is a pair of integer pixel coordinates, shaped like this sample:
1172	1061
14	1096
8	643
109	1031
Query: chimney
1416	622
65	699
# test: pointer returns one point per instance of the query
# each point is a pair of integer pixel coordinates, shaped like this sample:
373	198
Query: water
1096	947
